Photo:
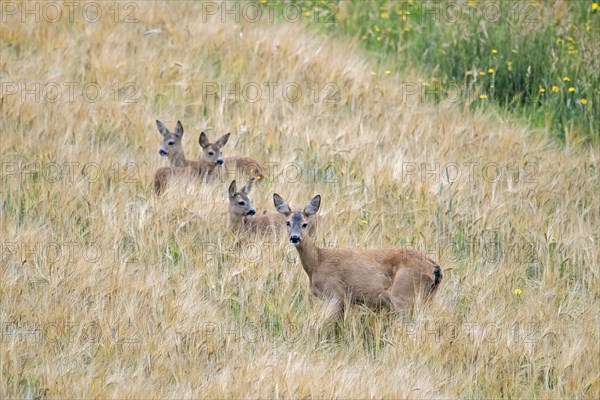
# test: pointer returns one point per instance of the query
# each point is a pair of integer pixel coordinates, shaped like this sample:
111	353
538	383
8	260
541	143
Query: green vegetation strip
538	60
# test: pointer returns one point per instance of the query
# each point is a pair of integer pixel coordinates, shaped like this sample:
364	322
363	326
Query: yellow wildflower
481	73
571	89
387	72
491	71
483	96
307	13
583	101
542	90
566	79
377	28
595	6
518	292
494	51
385	15
554	88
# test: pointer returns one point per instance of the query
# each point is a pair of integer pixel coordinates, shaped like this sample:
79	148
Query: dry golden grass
110	291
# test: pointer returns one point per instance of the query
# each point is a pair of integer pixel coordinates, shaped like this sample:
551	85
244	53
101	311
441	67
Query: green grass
538	61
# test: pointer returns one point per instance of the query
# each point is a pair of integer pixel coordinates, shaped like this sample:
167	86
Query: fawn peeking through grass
242	215
172	148
386	277
203	170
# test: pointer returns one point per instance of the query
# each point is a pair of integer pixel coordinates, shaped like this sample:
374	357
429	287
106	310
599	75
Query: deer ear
232	189
281	205
179	129
313	206
162	128
222	140
248	186
203	140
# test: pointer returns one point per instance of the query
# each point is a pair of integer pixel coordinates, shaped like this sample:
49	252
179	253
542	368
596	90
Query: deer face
171	143
297	221
211	152
239	202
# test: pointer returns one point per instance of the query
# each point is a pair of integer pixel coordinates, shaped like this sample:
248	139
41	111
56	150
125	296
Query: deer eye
171	143
304	225
287	223
210	153
242	203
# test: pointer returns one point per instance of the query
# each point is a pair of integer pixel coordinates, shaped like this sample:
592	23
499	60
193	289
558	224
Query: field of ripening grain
109	291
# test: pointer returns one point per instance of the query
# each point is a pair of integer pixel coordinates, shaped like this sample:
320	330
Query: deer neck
235	221
207	168
177	158
310	255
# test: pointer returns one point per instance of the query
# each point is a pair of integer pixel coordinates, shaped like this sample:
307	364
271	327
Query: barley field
110	291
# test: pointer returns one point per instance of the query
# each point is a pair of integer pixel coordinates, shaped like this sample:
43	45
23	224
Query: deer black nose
162	153
251	212
295	239
219	162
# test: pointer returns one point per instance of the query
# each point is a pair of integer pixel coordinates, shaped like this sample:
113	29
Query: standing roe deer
242	215
204	169
172	148
386	277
